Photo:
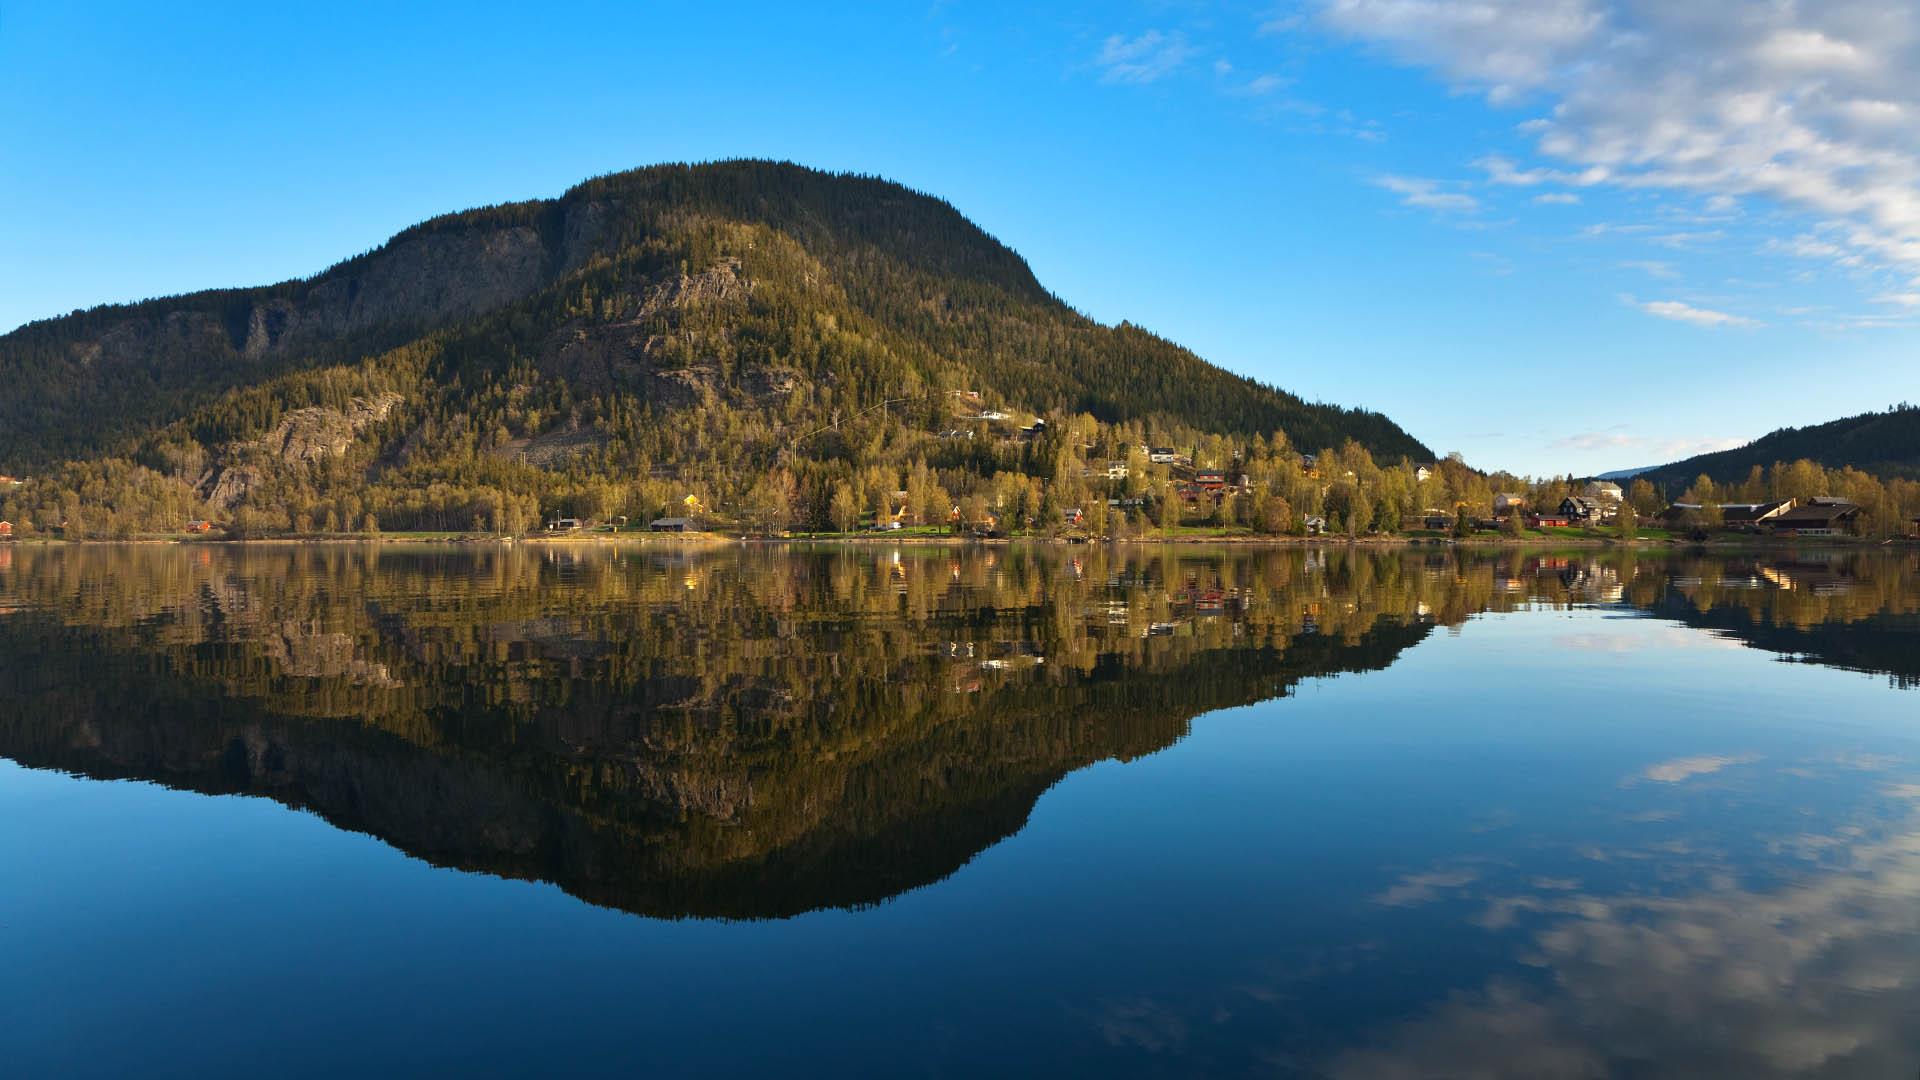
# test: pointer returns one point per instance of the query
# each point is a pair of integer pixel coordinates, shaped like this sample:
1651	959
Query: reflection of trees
750	731
744	734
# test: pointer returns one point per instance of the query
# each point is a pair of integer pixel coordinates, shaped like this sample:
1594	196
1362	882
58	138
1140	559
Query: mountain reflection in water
761	732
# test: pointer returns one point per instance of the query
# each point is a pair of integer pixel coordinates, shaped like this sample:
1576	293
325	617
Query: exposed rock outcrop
302	437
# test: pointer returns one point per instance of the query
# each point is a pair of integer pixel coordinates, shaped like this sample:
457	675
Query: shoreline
722	539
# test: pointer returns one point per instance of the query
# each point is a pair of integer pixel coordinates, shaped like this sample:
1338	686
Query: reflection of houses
1818	578
1821	516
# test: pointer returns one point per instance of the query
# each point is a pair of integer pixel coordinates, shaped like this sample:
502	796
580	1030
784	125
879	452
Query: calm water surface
328	810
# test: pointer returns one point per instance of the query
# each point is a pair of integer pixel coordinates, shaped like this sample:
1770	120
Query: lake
330	809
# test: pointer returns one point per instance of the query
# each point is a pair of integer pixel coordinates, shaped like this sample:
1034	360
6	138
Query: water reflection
1818	976
757	733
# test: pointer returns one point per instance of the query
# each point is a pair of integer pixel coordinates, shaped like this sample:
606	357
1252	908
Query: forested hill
699	324
1886	444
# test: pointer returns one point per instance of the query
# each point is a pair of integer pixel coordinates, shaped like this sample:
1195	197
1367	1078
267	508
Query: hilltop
673	335
1885	444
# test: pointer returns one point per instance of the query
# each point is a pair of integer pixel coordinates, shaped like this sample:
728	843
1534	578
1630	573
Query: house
993	414
6	530
1507	502
1821	516
1210	479
1584	510
1316	525
670	524
1436	519
1117	470
1034	430
199	526
1550	519
1073	515
1162	455
957	433
1422	473
1192	493
1606	491
565	525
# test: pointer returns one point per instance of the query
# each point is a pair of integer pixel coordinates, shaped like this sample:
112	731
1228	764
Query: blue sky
1556	235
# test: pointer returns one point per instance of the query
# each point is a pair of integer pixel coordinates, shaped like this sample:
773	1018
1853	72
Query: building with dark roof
1821	516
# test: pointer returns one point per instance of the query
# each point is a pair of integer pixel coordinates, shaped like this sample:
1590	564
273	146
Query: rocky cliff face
302	437
145	364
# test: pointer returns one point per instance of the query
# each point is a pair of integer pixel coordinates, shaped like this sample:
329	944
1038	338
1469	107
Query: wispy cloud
1415	889
1681	311
1652	268
1809	106
1557	198
1427	194
1150	57
1664	448
1686	768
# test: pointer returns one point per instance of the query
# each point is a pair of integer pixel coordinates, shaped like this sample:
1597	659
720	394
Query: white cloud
1681	311
1666	449
1414	889
1557	198
1904	299
1652	268
1817	975
1679	769
1805	104
1427	194
1147	58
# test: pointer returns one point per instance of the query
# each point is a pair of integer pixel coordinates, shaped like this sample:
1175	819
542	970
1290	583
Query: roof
671	521
1817	514
1736	512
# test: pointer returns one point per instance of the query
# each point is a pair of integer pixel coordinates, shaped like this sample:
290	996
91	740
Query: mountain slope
1886	444
701	328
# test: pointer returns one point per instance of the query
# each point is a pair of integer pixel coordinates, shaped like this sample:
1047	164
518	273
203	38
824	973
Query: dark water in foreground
326	811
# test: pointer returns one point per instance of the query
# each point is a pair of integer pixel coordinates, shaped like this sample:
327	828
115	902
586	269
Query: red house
1549	519
6	530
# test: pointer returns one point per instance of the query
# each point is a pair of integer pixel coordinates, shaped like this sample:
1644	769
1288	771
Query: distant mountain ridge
1886	444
